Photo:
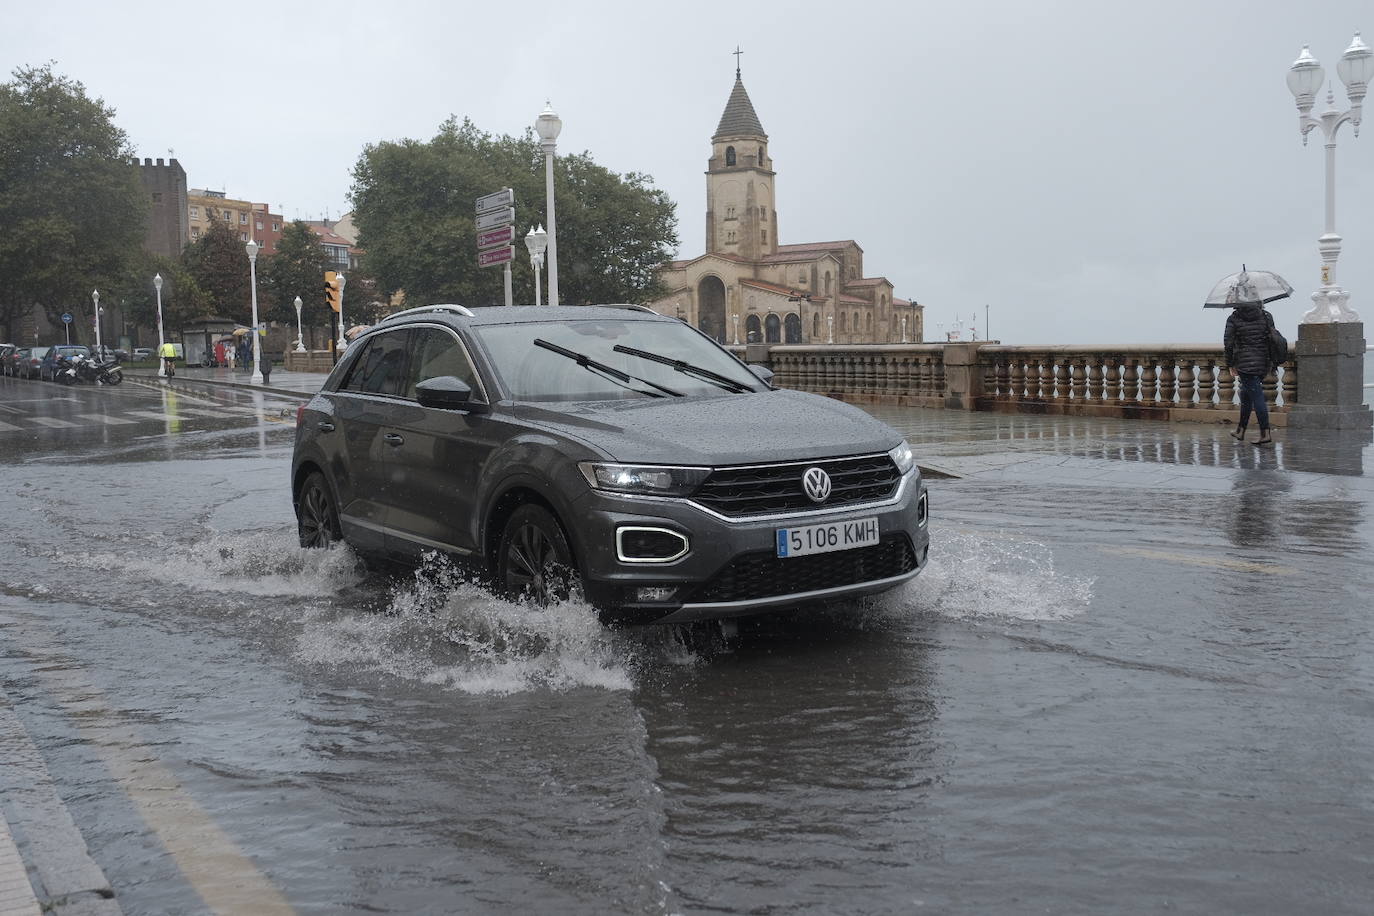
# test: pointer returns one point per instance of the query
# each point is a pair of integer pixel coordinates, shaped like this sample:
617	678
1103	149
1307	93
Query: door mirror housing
764	373
448	392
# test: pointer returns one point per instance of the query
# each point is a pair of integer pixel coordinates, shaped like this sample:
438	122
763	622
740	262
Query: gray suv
604	449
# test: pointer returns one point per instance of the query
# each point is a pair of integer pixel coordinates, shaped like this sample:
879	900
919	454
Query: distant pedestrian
1248	357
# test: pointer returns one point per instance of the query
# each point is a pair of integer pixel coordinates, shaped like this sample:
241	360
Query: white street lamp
735	319
300	334
1304	79
829	328
161	363
548	126
343	339
252	249
536	240
95	298
903	329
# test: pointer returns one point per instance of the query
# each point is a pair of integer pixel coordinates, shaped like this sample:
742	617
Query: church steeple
740	215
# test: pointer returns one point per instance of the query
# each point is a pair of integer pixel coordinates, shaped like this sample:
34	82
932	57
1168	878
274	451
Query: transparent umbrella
1249	287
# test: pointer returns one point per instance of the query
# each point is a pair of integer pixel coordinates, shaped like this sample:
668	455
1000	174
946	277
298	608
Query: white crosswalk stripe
105	418
54	422
6	426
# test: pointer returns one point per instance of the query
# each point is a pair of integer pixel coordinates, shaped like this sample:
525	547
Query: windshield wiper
687	368
624	378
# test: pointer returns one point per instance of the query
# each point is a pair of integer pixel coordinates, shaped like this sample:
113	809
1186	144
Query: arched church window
763	215
843	317
763	236
827	282
856	322
730	236
815	324
729	156
869	322
729	212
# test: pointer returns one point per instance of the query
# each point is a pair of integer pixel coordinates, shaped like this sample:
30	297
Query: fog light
923	509
655	593
635	544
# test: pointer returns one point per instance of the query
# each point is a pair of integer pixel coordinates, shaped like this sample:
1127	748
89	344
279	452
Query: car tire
534	560
114	377
317	518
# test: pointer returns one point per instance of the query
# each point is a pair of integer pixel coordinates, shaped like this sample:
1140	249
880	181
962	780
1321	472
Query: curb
153	381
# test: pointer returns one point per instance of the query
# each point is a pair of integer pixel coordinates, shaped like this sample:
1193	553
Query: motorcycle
88	369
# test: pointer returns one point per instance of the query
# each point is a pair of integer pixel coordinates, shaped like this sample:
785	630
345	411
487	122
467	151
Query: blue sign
66	317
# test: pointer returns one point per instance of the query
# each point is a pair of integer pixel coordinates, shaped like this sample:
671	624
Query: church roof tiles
818	246
739	117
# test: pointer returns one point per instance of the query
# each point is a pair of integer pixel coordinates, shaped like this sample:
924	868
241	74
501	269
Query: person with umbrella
1247	339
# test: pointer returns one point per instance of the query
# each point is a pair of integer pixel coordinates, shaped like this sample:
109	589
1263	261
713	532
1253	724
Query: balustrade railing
909	373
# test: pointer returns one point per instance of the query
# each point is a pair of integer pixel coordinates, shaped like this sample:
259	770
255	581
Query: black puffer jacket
1247	340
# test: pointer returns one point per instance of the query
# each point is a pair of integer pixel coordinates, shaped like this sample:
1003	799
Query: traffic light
331	289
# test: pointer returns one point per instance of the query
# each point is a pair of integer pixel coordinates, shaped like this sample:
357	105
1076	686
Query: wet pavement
1138	674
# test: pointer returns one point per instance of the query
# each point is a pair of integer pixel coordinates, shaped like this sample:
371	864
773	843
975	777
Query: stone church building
747	286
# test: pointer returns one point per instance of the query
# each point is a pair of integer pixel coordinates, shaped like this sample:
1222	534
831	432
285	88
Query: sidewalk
283	382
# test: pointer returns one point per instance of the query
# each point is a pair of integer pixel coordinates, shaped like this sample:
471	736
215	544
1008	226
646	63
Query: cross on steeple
737	52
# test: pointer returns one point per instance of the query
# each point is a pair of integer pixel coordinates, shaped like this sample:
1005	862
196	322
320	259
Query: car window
378	370
437	352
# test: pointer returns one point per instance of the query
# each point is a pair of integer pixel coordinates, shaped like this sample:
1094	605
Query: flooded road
1123	683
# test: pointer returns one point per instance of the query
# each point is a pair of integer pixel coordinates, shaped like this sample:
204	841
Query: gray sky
1086	170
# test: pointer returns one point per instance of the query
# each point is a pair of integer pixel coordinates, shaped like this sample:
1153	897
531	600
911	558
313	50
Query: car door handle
393	439
326	427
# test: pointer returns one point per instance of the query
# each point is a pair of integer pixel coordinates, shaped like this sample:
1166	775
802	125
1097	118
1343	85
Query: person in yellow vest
168	354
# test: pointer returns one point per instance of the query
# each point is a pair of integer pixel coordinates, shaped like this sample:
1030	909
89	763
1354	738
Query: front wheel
534	559
317	519
65	378
113	377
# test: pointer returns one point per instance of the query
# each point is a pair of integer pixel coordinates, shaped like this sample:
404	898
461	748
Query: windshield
536	373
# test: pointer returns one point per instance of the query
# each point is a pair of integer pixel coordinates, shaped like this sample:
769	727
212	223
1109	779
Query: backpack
1278	344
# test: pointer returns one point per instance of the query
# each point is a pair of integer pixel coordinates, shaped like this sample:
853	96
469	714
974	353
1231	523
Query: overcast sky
1085	171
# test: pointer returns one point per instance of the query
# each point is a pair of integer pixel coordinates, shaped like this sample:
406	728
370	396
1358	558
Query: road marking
105	418
54	422
226	879
8	426
1190	559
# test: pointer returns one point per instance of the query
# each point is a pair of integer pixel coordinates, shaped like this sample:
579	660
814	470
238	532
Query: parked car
30	361
48	368
6	351
606	449
142	353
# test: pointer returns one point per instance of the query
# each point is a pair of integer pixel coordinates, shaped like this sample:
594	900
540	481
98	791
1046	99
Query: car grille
764	489
753	576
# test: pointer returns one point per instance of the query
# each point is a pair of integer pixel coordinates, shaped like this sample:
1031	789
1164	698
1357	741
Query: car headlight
902	457
643	479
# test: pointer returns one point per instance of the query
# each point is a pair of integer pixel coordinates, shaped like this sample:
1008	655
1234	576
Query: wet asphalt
1138	675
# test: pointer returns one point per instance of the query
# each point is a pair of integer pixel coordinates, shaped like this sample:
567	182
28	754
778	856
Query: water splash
975	577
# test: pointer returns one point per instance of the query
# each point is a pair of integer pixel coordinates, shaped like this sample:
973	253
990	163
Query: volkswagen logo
816	483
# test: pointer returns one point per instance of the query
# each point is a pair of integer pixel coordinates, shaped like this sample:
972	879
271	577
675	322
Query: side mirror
764	373
448	392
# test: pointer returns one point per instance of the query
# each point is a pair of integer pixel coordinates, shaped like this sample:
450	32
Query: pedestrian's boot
1265	438
1238	433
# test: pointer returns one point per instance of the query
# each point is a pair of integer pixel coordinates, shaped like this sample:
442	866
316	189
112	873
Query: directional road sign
502	198
66	317
495	218
490	239
494	256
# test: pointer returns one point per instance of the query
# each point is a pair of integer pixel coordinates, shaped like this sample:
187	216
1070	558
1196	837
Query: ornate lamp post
735	319
252	249
799	298
95	298
300	334
548	127
536	240
343	337
1305	77
161	363
903	329
829	328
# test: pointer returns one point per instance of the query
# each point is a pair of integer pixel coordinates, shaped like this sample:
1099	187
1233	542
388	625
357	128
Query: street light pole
536	240
1305	77
95	298
829	328
548	126
343	337
300	333
161	363
252	249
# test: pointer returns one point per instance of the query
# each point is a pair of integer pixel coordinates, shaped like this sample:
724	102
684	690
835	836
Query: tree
182	298
413	206
218	264
296	268
72	207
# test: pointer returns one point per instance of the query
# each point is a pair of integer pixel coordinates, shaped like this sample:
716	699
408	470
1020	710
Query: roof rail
628	305
456	309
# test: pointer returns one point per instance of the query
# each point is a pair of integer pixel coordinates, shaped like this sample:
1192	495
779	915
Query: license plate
831	536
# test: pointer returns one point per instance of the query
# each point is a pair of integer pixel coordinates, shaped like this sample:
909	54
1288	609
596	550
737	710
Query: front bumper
731	567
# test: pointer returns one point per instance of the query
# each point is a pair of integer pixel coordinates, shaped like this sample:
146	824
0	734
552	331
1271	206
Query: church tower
741	218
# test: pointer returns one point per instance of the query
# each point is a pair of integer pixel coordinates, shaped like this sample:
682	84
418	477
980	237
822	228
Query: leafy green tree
72	207
182	298
413	205
217	262
296	268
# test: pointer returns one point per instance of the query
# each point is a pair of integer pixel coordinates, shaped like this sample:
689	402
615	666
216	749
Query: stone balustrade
1168	382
